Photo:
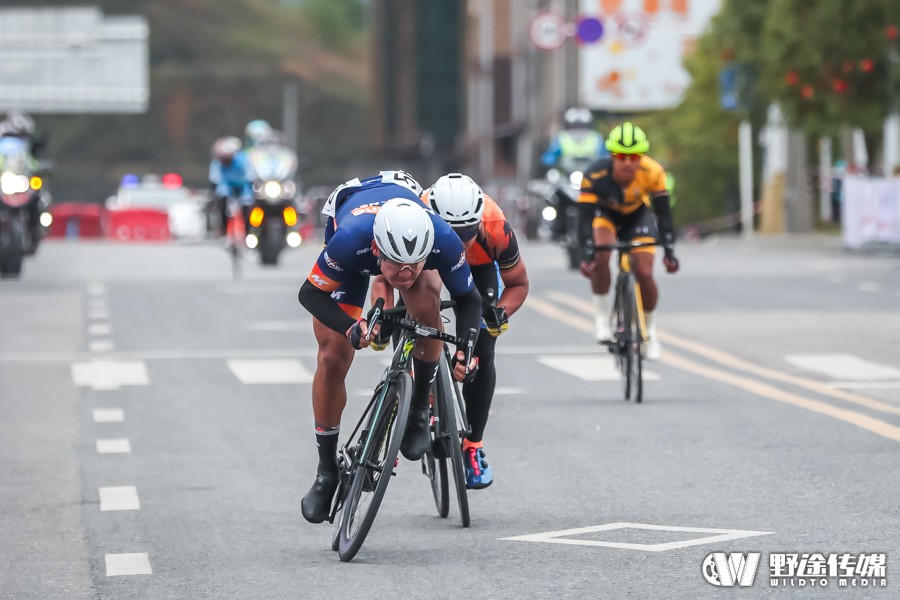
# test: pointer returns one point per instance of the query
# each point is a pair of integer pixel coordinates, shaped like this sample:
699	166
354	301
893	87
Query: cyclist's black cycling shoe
417	438
316	504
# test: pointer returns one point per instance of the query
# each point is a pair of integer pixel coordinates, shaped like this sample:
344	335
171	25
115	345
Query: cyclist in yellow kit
616	197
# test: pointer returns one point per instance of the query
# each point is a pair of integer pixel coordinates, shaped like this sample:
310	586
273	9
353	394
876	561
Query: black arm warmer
661	207
320	305
585	223
468	313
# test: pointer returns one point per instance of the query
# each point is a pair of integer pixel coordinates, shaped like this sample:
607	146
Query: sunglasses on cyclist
400	266
627	157
466	233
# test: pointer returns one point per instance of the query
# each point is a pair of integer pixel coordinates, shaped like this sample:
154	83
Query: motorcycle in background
274	221
23	205
561	210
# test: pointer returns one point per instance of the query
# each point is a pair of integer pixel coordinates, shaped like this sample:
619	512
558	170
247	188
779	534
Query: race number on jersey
338	193
402	178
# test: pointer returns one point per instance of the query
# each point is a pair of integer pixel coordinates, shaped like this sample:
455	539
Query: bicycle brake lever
374	316
470	347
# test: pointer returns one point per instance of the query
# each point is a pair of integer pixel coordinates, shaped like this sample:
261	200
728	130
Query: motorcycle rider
231	176
575	146
19	125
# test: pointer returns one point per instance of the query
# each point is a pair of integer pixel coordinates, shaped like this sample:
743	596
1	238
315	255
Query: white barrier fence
870	212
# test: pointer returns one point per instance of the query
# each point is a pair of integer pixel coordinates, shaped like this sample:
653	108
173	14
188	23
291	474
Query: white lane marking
119	498
279	326
96	289
865	385
114	446
101	345
99	329
108	415
589	368
869	286
305	352
97	304
109	374
98	314
252	371
843	366
128	564
564	536
507	391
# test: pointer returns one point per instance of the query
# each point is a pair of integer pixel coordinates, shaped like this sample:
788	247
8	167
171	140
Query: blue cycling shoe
479	474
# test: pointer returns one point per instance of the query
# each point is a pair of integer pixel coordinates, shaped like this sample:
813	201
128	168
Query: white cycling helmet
403	231
457	199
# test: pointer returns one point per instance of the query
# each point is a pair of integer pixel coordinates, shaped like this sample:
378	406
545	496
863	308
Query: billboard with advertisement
637	64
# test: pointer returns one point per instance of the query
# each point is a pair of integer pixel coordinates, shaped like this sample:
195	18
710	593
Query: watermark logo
798	569
812	569
728	570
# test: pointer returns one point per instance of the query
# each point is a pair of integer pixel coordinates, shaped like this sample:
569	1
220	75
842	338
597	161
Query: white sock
601	306
650	321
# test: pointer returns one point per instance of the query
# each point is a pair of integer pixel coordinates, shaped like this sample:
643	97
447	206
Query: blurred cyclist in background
576	143
20	125
259	132
231	176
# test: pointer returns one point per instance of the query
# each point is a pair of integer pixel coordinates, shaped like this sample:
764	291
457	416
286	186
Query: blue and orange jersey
351	211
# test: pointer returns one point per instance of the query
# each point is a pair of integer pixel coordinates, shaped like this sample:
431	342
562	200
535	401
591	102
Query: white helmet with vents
403	231
457	199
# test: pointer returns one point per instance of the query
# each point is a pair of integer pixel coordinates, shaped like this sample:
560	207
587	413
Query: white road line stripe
119	498
108	374
98	314
99	329
128	564
114	446
266	353
97	304
101	345
869	286
96	289
286	326
108	415
843	366
562	537
589	368
251	371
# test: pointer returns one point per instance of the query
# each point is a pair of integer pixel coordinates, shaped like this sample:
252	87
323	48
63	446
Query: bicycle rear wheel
374	459
446	399
434	467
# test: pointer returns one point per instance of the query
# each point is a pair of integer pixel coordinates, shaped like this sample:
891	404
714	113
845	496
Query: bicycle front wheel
450	435
374	460
624	358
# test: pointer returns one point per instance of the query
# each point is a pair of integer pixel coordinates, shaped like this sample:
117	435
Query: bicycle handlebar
397	317
627	246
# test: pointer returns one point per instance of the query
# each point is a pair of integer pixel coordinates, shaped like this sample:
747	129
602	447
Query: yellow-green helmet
627	138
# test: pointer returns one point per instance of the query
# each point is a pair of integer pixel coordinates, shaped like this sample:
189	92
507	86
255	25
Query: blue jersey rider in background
231	177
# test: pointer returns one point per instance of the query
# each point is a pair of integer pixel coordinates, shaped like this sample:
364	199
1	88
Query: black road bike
366	462
629	328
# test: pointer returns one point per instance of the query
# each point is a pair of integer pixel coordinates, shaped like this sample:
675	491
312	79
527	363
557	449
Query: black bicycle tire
637	374
446	393
349	545
623	328
436	471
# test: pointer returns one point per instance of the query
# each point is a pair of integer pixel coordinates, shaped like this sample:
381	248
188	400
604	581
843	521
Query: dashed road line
114	446
123	497
109	374
269	371
108	415
99	329
101	345
844	366
589	368
128	564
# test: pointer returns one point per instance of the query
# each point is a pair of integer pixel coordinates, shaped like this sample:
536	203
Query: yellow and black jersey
649	181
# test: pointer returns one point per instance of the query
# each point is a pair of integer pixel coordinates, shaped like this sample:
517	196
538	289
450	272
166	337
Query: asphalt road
156	433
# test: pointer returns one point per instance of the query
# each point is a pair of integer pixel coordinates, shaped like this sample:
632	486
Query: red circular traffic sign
548	31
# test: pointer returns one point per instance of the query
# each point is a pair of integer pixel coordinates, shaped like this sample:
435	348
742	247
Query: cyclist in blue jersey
379	226
231	177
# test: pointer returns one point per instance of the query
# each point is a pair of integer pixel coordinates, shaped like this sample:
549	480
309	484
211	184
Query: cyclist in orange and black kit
491	249
616	196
